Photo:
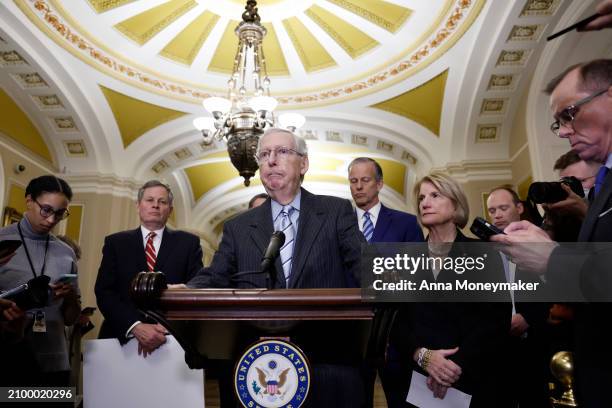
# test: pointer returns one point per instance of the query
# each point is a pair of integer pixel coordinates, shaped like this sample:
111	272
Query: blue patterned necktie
286	252
599	179
368	227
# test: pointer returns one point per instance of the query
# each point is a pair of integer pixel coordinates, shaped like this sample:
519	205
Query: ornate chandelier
248	110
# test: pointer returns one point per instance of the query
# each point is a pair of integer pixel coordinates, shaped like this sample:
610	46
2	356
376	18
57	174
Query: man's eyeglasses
46	211
566	116
281	153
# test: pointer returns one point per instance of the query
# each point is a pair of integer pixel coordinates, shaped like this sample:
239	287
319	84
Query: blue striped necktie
286	252
368	227
599	179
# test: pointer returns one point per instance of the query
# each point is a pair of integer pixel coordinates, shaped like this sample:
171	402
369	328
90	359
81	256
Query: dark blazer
123	256
326	254
396	226
480	330
592	274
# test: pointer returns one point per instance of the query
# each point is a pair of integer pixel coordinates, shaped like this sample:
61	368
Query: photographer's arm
573	205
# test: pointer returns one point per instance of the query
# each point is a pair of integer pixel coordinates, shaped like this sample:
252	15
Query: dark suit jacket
123	256
396	226
592	274
326	254
480	330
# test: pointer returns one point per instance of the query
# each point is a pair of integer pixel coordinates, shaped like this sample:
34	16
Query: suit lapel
310	223
261	229
596	208
167	246
137	245
382	224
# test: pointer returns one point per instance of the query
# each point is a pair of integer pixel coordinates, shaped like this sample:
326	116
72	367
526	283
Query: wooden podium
212	306
263	304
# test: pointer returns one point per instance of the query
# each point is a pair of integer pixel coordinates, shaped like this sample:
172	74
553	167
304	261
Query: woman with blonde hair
454	344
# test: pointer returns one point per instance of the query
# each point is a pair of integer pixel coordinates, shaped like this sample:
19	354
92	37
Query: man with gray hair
322	250
581	102
150	247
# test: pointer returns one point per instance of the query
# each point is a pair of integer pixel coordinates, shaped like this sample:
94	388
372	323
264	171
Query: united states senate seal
272	374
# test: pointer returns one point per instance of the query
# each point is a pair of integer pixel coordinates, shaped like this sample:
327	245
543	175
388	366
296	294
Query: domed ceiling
317	51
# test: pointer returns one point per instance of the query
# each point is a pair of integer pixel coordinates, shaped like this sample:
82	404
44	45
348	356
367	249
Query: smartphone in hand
67	278
484	229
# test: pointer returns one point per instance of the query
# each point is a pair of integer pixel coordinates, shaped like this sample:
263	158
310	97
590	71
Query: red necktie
150	252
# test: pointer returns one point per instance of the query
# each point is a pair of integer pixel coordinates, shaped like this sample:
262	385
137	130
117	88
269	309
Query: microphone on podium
267	262
276	242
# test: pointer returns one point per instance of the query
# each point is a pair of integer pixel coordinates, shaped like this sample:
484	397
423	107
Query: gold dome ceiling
318	51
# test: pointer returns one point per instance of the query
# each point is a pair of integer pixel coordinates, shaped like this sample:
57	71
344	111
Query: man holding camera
581	99
563	218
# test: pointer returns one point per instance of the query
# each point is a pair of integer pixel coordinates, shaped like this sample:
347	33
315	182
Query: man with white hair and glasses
322	250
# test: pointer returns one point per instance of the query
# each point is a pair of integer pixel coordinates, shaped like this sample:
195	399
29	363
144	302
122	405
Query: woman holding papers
453	344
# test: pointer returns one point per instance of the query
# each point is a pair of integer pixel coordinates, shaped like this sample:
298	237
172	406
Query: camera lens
546	192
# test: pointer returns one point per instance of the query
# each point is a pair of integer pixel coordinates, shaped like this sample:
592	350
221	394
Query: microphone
276	242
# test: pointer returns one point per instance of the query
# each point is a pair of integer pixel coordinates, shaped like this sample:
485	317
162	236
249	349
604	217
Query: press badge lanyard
40	325
25	247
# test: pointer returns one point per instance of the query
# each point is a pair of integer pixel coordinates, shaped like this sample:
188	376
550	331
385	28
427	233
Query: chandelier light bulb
204	123
291	121
263	103
217	104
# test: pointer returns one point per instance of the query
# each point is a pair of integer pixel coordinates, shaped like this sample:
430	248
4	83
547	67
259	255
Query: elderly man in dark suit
379	223
150	247
322	250
581	99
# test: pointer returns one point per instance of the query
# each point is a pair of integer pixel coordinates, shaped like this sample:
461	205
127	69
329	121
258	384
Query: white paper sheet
116	376
421	396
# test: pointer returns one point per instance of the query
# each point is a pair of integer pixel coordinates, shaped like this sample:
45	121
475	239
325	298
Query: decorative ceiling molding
103	184
354	41
312	53
29	80
142	27
60	26
386	15
75	148
185	46
64	124
487	133
476	170
105	5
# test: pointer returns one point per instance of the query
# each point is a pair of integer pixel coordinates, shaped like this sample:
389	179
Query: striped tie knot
368	227
150	254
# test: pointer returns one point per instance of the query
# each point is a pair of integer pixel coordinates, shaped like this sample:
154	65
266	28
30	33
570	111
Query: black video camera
30	295
551	191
